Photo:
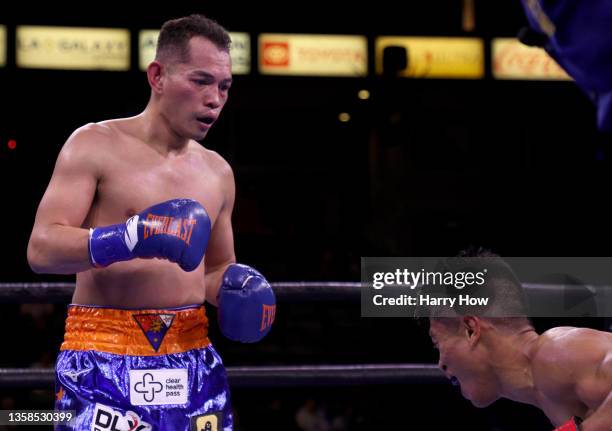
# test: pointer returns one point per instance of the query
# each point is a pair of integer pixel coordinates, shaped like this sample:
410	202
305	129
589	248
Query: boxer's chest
133	184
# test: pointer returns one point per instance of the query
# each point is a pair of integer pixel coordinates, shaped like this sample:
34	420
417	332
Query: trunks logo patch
154	327
158	387
105	418
206	422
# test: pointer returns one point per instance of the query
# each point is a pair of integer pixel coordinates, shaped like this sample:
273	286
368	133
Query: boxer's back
133	175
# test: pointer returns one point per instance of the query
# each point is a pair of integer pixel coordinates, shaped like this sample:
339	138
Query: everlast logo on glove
267	316
163	231
162	225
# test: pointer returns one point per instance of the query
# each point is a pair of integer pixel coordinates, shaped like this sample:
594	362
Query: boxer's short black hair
507	303
175	34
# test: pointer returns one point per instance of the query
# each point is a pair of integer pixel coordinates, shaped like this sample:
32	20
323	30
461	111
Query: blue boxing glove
247	304
177	230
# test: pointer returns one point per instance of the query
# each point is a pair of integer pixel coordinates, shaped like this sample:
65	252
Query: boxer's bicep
58	244
73	183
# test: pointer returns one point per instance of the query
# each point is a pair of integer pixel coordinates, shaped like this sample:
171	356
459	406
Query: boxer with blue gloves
136	353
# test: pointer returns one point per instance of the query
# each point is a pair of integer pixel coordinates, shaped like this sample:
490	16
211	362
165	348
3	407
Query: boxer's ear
472	326
155	76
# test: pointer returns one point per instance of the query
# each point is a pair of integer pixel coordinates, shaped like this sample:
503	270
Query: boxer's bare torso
106	173
132	176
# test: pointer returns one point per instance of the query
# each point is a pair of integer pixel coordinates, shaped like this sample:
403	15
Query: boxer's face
195	92
462	361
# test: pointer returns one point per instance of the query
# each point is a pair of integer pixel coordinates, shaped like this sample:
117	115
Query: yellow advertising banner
241	53
513	60
313	55
75	48
2	45
436	57
240	50
147	41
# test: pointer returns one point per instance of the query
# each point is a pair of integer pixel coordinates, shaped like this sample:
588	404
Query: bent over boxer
497	353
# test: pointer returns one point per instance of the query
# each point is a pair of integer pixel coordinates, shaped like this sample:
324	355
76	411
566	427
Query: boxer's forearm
59	249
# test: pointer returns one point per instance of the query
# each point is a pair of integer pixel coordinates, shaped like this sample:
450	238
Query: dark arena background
326	173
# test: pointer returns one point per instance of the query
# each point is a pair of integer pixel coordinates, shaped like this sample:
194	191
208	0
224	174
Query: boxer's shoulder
218	166
90	141
119	132
93	132
563	343
565	338
88	132
563	355
214	160
86	147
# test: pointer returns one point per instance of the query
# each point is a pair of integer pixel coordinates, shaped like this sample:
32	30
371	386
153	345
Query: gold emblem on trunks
206	422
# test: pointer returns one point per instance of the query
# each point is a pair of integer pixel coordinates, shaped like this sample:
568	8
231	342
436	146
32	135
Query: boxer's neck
511	359
158	132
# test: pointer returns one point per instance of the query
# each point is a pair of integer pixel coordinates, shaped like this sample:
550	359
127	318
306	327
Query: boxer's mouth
206	120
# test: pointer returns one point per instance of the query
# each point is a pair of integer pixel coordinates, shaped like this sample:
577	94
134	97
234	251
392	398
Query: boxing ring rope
299	291
260	376
273	376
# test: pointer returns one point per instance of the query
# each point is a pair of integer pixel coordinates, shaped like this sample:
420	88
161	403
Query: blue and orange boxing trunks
141	370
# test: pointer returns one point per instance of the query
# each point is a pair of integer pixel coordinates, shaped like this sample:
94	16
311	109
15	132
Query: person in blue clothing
576	33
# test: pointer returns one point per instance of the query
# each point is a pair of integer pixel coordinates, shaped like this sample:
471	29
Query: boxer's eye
201	82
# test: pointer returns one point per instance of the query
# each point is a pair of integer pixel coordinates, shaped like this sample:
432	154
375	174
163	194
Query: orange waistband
147	332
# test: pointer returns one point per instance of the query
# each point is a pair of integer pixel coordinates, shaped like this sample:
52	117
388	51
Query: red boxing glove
571	425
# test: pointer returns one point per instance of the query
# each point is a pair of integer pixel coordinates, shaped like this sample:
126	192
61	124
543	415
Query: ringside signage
313	55
513	60
436	57
2	45
74	48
